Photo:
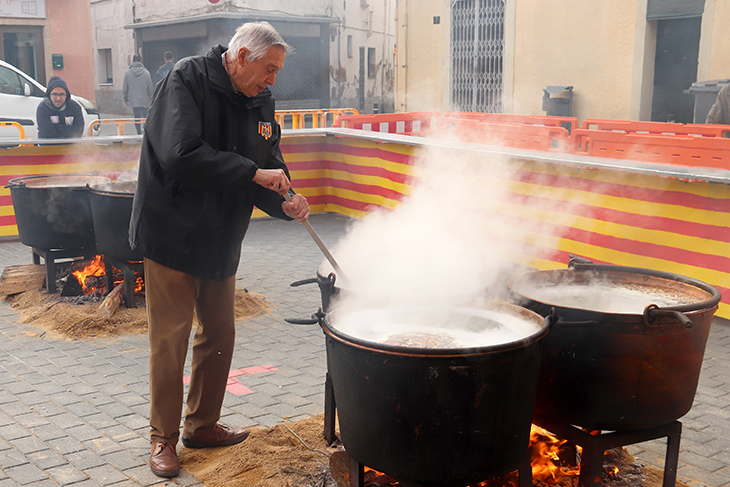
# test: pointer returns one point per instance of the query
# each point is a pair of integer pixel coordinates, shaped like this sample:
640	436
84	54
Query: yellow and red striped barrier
624	219
609	216
349	176
615	216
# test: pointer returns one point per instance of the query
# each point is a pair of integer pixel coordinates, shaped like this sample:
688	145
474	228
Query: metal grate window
477	55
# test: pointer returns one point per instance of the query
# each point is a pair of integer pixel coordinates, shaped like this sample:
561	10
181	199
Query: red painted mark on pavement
234	386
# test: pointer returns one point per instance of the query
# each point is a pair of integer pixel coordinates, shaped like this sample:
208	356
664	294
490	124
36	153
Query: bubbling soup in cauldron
608	298
434	327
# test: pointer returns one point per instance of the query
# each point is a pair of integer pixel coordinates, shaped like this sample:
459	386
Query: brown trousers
173	297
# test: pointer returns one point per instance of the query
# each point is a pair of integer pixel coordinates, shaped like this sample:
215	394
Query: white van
19	98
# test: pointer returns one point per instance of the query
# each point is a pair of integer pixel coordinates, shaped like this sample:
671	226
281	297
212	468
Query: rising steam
448	243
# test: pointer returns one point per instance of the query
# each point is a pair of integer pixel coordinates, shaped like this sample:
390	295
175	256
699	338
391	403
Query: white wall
371	25
108	18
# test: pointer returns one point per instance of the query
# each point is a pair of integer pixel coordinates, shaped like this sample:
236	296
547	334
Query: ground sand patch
287	455
295	454
62	318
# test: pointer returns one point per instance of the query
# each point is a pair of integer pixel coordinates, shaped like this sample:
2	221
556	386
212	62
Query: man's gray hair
258	38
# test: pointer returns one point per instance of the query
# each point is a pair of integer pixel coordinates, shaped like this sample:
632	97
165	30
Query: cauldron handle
312	280
575	260
652	312
317	318
552	318
576	324
327	284
302	321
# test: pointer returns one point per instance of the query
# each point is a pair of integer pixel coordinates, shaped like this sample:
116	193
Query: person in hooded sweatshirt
57	115
138	89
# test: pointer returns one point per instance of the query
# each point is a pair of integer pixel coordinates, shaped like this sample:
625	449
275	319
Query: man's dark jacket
202	145
163	70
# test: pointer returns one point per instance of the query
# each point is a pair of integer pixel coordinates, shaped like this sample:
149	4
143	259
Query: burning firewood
70	286
112	301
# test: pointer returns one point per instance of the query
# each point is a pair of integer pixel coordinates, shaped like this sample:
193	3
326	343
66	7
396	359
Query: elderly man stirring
210	153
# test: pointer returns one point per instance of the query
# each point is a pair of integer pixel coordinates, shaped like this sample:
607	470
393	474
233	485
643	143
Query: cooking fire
554	461
87	280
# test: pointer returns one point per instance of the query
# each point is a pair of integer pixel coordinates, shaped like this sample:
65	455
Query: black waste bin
558	106
705	93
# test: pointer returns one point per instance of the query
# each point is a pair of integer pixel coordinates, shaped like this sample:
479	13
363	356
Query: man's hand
273	179
297	208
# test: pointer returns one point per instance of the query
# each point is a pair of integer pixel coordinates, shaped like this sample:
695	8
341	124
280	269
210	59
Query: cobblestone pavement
75	412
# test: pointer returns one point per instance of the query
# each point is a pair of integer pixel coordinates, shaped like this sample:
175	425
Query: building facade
343	50
44	38
629	60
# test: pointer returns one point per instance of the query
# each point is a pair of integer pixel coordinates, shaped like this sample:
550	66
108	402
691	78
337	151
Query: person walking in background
138	89
165	68
202	168
57	115
720	111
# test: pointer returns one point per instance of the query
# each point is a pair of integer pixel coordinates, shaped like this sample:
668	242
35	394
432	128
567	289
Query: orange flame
546	463
138	283
94	268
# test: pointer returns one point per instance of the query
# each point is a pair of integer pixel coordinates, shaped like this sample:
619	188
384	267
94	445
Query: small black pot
111	209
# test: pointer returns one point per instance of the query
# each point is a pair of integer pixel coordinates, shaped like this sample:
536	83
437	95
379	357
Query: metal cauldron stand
128	269
591	465
50	257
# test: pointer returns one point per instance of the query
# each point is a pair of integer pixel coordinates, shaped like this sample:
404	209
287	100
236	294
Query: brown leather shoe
217	436
163	460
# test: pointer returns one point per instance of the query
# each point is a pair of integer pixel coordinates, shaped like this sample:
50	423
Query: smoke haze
445	244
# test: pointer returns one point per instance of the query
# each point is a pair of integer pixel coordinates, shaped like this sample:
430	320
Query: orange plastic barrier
684	150
534	137
568	123
664	128
413	123
299	119
689	145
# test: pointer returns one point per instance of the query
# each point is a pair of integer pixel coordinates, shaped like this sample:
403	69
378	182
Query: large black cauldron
53	212
111	209
616	370
438	416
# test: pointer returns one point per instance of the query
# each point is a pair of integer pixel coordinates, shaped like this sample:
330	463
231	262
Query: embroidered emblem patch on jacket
265	130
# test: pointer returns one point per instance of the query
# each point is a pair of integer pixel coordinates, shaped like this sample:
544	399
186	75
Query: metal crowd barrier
119	122
300	119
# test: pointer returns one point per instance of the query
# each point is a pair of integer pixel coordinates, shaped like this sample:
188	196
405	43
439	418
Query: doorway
22	47
675	69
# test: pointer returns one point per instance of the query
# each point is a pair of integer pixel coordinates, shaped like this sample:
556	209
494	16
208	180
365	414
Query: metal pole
320	244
